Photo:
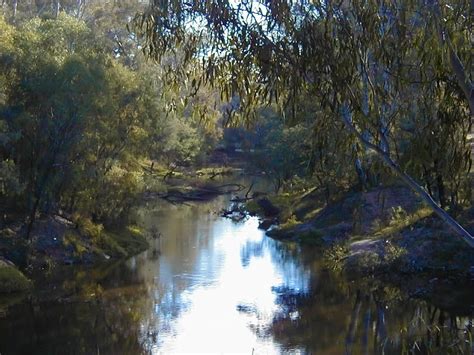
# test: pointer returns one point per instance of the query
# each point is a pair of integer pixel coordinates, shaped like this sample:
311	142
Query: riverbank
56	240
206	267
11	279
70	239
382	232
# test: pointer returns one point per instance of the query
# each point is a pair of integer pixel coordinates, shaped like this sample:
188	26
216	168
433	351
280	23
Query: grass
116	243
405	242
126	242
303	204
89	228
76	242
253	208
291	222
313	213
400	220
338	256
289	204
159	170
12	280
285	202
333	258
215	171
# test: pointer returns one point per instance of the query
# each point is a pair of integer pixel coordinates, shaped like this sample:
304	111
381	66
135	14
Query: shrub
12	280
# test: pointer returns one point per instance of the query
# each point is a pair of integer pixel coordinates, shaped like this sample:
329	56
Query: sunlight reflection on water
228	302
210	285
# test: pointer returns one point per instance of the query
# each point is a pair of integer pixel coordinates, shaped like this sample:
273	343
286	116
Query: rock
366	246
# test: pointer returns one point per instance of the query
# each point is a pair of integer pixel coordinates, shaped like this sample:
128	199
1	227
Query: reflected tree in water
361	322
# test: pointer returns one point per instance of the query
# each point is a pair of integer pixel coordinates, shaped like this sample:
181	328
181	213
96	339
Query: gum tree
367	64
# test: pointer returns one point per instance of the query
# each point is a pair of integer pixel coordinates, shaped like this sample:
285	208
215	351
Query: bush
11	279
333	257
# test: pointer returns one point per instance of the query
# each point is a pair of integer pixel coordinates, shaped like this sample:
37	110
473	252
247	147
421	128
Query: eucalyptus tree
367	64
53	80
73	121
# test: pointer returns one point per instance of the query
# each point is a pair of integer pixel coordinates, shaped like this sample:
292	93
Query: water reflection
217	298
212	285
367	323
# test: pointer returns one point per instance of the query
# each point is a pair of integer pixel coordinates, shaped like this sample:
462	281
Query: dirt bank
56	240
386	230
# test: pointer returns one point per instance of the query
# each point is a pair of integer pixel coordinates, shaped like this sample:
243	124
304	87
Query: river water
211	285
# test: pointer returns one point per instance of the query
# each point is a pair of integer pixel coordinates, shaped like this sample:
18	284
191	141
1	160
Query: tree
77	120
365	64
73	122
53	81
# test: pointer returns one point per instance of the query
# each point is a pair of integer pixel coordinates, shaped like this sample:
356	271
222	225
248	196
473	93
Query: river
211	285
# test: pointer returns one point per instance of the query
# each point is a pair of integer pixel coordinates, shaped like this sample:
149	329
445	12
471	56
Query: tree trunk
56	7
14	8
81	4
361	173
408	180
441	191
32	220
462	78
38	196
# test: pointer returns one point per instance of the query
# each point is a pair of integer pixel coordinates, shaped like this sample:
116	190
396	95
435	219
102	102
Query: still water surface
211	285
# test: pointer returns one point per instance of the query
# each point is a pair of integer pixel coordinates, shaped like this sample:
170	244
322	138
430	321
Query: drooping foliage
392	74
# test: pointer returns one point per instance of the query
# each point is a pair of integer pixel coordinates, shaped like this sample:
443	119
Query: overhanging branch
407	179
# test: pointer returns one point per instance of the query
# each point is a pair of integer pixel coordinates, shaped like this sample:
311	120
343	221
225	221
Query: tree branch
408	180
462	78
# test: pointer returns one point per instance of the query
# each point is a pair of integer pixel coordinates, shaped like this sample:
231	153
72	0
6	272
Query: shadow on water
362	319
212	285
76	310
335	315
